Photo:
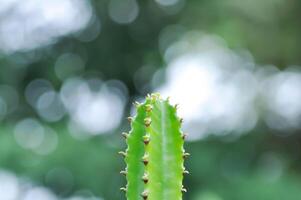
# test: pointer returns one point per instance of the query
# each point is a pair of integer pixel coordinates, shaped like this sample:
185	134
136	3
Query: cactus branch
155	154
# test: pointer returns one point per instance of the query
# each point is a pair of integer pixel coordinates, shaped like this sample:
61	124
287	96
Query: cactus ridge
155	155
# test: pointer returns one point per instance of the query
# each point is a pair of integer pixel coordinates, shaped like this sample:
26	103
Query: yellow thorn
176	106
145	159
185	172
147	121
123	172
146	141
185	155
148	107
146	136
122	153
144	195
183	189
145	178
181	120
130	119
125	135
155	96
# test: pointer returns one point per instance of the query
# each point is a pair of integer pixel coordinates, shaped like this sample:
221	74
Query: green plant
155	155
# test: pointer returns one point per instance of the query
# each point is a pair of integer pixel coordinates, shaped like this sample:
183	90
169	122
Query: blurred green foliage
220	169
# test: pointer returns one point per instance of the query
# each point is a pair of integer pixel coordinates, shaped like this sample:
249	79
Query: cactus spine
155	153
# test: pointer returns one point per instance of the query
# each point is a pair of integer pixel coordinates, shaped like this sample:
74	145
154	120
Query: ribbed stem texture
155	155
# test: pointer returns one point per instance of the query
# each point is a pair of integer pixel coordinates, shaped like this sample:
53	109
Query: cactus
155	155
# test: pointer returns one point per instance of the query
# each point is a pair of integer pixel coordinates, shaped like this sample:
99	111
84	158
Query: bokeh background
69	70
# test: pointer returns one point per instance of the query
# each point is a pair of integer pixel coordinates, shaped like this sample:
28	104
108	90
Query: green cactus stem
155	155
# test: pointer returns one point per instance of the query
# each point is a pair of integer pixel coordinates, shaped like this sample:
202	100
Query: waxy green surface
155	155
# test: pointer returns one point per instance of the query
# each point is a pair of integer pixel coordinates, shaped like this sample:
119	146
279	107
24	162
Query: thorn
136	104
123	189
184	135
146	139
168	99
148	96
147	122
145	159
130	119
181	120
185	155
176	106
184	189
155	96
144	195
145	178
122	153
125	135
185	172
148	108
123	172
145	162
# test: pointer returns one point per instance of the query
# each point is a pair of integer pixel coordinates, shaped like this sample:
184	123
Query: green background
259	165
